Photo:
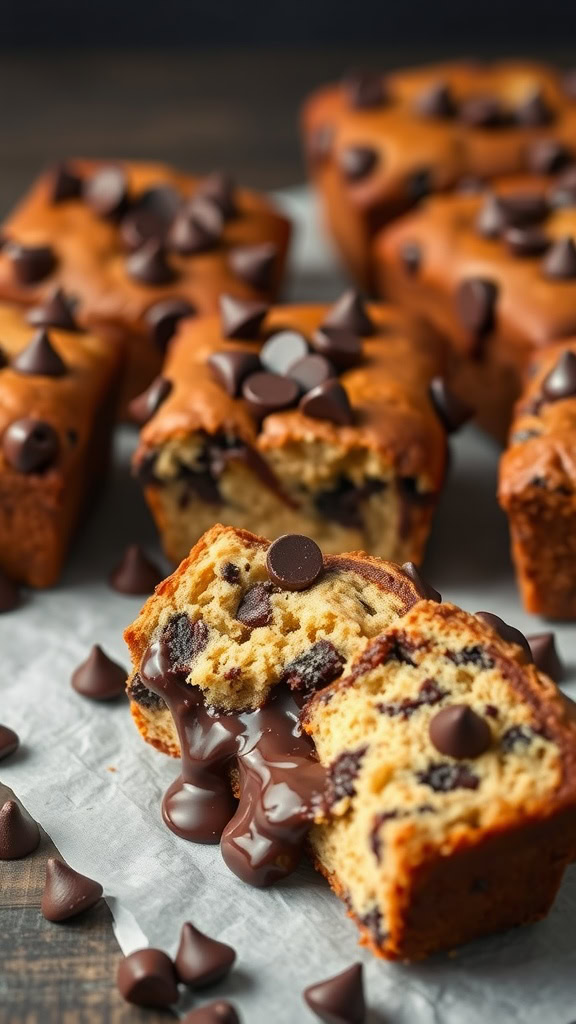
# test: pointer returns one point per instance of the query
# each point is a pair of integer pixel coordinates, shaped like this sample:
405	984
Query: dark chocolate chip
65	184
343	503
365	90
294	562
561	381
411	256
9	594
282	350
220	189
31	263
19	833
311	371
143	407
57	311
357	162
201	960
425	590
232	368
516	736
547	156
197	228
241	318
218	1012
339	1000
339	345
376	842
150	216
149	264
508	633
184	641
534	109
328	401
140	694
106	192
67	892
429	692
475	305
481	112
452	410
30	446
315	668
269	392
40	357
526	241
419	184
459	732
474	655
254	264
349	313
444	776
230	573
492	218
9	742
163	318
135	574
436	101
99	678
255	609
560	260
545	655
342	775
147	978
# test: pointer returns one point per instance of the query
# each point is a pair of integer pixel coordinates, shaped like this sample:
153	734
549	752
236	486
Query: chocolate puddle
281	785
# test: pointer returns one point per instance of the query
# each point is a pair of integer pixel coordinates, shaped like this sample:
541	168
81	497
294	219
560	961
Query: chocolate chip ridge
106	192
340	999
560	260
426	591
475	305
508	633
65	184
294	562
561	381
201	960
31	263
144	406
232	369
9	594
547	156
349	314
149	264
357	162
55	312
135	574
339	345
30	446
9	742
254	264
40	357
545	655
67	892
328	401
220	188
459	732
163	317
147	978
241	318
19	833
452	410
99	677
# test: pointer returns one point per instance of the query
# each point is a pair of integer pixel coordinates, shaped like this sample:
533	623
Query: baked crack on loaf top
450	766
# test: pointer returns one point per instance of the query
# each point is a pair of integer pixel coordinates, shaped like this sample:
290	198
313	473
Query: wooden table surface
201	111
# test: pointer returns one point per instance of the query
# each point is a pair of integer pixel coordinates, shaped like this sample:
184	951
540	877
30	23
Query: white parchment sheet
96	788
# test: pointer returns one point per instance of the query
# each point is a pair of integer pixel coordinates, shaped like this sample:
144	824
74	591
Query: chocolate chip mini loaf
58	391
377	144
326	421
139	246
451	784
538	484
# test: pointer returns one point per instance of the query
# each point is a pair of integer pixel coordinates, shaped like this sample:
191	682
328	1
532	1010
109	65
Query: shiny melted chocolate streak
281	784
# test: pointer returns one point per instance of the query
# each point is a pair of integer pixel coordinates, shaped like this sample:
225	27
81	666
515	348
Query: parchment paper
96	788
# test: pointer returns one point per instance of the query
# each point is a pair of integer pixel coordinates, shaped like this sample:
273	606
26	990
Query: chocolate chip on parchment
147	978
201	960
19	833
340	999
67	892
99	677
135	574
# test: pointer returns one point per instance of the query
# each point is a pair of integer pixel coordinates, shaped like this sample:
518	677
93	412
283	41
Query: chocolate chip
147	978
19	833
254	264
220	189
516	736
135	574
163	318
443	777
436	101
57	312
218	1012
357	162
560	260
425	590
545	655
508	633
9	742
561	381
534	109
429	692
269	392
547	156
339	345
349	313
31	263
328	401
294	562
459	732
339	1000
184	641
106	192
197	227
526	241
40	357
67	892
201	960
99	678
365	90
230	573
419	184
411	256
475	305
142	408
232	368
282	350
342	774
9	594
473	655
141	695
315	668
65	184
149	264
311	371
452	410
241	318
30	446
255	609
150	216
481	112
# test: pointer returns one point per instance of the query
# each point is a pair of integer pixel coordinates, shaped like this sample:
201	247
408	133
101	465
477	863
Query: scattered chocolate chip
436	101
339	345
429	694
201	960
232	368
140	694
147	978
343	503
30	446
339	1000
443	777
40	357
282	350
419	184
349	313
149	264
185	640
67	892
411	256
19	833
516	736
315	668
230	573
328	401
534	109
255	609
142	408
197	228
9	594
150	216
219	1012
294	562
357	162
365	90
99	677
425	590
31	263
106	192
241	318
269	392
560	260
475	305
163	318
547	156
342	775
474	655
65	184
526	241
561	381
220	189
508	633
459	732
545	655
481	112
254	264
135	574
311	371
9	742
55	312
452	410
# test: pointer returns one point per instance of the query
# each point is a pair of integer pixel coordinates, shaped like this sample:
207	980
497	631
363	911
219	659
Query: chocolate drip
281	785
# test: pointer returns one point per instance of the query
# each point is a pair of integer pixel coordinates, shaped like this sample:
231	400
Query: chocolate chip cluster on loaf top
378	144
